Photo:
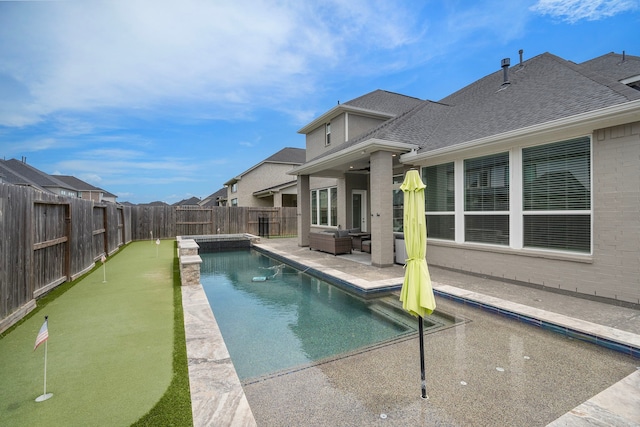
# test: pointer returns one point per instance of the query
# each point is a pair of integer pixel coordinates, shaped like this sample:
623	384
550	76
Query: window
633	82
557	195
553	206
314	208
398	203
324	207
486	199
234	202
327	140
440	201
234	187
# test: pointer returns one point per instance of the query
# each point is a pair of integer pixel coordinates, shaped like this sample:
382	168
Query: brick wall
614	269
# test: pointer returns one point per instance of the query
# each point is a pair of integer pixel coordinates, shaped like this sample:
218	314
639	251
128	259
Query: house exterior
87	191
267	184
20	173
192	201
532	174
219	198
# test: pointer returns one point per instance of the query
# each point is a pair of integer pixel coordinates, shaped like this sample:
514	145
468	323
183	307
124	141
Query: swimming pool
292	319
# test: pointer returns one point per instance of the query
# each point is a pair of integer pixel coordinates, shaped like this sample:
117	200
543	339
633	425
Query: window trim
516	211
444	213
327	134
330	209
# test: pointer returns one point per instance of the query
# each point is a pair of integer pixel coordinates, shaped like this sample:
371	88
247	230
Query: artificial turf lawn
110	348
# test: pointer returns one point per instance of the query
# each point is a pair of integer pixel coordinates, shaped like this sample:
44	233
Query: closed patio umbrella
416	294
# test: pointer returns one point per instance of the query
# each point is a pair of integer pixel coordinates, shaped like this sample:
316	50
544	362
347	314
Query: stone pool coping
217	394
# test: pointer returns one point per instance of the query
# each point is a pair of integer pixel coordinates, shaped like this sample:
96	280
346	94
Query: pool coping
218	397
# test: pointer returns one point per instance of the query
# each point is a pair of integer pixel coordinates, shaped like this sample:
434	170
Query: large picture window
440	201
486	199
324	207
551	209
557	195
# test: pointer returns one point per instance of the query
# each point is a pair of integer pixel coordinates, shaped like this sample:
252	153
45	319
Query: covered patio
365	189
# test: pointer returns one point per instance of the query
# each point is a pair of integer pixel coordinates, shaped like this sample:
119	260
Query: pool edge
217	396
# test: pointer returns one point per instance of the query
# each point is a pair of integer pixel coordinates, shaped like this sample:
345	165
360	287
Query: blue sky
165	100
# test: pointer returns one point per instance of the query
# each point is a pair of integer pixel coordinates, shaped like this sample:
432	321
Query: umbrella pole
422	374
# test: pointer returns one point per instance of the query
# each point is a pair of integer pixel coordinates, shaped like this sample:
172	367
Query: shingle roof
11	176
34	176
545	88
613	66
277	187
385	102
287	155
76	183
192	201
220	193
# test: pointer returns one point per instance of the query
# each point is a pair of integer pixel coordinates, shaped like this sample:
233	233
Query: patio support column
304	210
381	182
277	199
343	201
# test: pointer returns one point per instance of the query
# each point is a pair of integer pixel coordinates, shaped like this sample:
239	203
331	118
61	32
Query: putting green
109	349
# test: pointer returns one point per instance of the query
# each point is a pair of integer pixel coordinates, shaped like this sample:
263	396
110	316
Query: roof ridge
620	88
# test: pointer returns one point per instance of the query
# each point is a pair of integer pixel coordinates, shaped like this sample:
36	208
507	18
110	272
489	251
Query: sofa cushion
343	233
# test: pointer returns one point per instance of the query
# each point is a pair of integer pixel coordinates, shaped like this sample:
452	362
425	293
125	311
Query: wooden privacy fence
149	222
46	240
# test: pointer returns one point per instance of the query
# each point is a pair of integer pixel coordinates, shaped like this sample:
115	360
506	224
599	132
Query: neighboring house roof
275	188
379	103
33	176
11	177
192	201
288	155
105	193
77	183
156	203
214	199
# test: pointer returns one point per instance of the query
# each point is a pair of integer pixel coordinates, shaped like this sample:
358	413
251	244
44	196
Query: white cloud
140	55
573	11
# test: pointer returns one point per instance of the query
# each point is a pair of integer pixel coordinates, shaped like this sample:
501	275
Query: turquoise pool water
292	318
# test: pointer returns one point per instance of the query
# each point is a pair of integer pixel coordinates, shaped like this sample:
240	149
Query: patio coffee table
357	238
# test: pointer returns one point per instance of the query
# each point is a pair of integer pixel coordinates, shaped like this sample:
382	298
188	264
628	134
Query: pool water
291	318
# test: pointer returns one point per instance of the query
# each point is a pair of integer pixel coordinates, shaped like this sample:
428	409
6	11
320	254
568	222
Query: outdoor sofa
333	242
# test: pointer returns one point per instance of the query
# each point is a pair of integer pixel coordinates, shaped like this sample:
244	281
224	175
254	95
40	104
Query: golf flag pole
157	246
43	337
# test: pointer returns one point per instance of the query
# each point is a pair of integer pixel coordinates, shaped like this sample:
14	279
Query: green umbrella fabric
416	294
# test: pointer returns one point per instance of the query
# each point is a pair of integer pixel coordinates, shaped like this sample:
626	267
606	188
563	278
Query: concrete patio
525	356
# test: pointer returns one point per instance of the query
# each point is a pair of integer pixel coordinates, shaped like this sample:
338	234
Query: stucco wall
359	124
613	271
340	125
260	178
315	143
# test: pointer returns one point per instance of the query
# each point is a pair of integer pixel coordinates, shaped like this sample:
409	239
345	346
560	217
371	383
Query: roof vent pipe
505	70
521	52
